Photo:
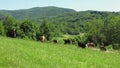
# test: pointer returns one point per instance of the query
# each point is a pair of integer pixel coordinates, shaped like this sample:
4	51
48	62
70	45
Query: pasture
18	53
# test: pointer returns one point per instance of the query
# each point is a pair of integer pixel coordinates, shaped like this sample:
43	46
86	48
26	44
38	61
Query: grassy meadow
18	53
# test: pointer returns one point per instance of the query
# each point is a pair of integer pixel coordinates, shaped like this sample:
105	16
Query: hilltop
36	12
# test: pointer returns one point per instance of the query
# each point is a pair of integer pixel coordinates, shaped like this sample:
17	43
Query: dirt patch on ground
108	51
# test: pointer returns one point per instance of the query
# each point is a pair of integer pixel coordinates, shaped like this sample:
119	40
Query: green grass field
17	53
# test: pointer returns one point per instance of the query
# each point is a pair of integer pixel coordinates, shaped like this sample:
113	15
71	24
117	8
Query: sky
78	5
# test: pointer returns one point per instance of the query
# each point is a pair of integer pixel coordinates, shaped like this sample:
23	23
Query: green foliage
112	30
116	46
81	38
28	29
48	30
1	28
36	12
94	30
9	24
99	27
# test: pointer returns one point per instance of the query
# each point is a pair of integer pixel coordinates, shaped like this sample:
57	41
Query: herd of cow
66	41
72	41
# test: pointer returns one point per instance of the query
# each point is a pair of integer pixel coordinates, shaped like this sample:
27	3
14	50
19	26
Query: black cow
106	43
12	33
55	41
102	48
81	44
67	41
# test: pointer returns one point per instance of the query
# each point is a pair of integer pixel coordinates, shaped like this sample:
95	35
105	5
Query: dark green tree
94	31
28	29
48	30
112	29
1	28
9	24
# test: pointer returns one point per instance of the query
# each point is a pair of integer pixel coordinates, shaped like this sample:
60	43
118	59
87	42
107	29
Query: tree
1	28
9	24
94	30
48	30
112	29
28	29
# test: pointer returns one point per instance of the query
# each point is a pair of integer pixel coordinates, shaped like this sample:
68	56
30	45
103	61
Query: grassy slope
17	53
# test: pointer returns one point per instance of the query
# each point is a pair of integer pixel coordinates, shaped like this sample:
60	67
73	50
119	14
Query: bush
82	39
1	29
116	46
28	30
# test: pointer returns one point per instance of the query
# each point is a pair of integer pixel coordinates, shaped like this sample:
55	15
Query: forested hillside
73	23
36	12
97	26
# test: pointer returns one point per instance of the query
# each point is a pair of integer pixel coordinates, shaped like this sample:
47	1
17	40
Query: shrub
116	46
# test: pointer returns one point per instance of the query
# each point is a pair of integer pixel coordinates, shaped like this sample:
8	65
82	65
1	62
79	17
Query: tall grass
17	53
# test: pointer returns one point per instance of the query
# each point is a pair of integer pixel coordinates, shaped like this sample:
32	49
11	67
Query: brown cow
42	38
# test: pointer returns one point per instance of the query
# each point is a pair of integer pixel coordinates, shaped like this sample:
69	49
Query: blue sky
79	5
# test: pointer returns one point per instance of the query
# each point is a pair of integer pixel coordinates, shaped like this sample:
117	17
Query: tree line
97	27
27	29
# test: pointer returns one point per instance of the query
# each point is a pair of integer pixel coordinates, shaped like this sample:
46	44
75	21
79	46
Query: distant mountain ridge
36	12
54	13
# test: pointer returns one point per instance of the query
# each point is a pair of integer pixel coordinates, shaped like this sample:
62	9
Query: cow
81	44
42	38
102	48
90	45
14	33
55	41
106	43
67	41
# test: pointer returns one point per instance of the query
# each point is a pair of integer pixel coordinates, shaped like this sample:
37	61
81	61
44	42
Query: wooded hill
36	12
69	20
97	26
